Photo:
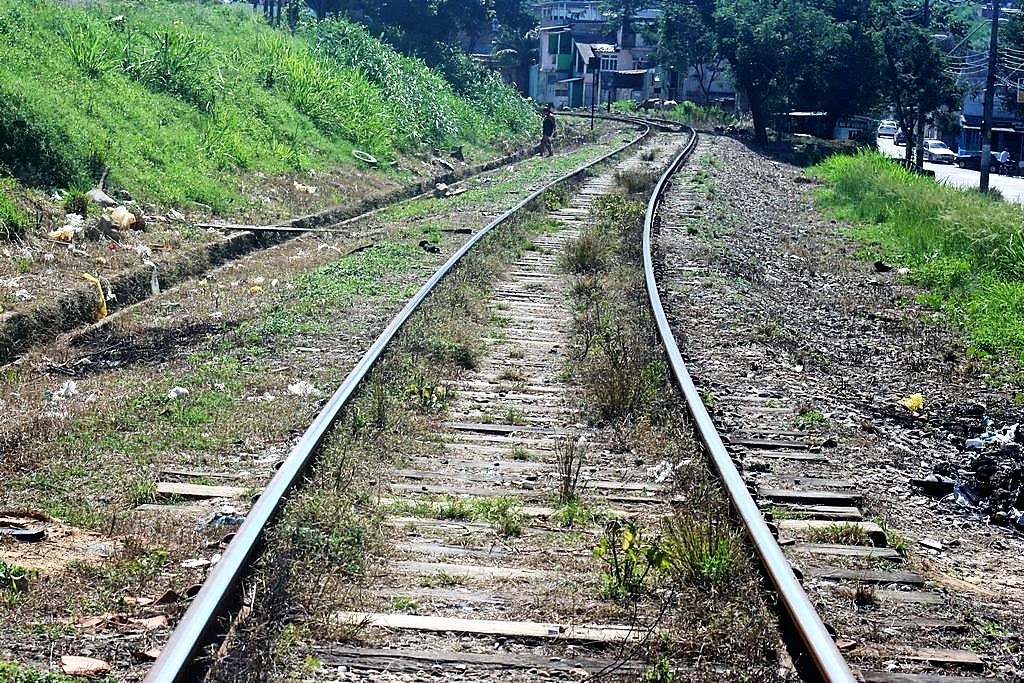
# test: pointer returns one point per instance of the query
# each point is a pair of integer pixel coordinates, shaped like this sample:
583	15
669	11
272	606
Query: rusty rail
819	644
182	659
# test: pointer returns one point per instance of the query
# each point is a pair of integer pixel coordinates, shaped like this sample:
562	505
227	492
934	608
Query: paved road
1012	188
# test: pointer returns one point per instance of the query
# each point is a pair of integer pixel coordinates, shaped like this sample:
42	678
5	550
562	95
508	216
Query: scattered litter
441	162
100	197
143	251
67	390
364	156
22	295
444	190
306	189
195	562
302	388
48	256
665	469
120	217
73	224
73	665
987	478
255	289
176	392
426	246
154	279
221	519
176	215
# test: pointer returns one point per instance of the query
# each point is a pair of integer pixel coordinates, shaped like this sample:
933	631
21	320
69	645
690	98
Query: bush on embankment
181	100
966	248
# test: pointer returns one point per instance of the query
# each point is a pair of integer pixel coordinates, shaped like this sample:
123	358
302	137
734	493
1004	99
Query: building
583	61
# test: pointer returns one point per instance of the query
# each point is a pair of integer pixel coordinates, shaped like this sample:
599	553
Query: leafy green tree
772	46
917	78
417	27
687	41
849	63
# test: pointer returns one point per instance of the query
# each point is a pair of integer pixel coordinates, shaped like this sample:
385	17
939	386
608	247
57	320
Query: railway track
895	619
482	581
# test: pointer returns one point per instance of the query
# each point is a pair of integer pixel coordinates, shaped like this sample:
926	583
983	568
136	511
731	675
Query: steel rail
820	646
179	660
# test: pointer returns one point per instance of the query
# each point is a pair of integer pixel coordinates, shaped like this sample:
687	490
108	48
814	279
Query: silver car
936	151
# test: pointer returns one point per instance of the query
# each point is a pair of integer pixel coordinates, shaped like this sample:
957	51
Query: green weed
965	248
11	672
840	533
628	559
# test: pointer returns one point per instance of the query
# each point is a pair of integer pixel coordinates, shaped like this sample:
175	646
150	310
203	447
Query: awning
588	50
998	129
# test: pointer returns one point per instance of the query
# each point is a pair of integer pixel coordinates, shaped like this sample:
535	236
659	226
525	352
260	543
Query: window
609	62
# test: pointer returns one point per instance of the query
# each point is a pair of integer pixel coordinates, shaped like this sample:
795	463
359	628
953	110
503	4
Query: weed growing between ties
965	249
332	530
690	576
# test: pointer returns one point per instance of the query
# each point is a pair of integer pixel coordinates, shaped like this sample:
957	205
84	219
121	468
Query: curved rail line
819	644
180	659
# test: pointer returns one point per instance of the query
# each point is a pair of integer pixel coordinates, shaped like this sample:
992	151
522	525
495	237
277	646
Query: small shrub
702	551
576	513
569	453
504	513
628	559
637	181
13	221
76	202
588	253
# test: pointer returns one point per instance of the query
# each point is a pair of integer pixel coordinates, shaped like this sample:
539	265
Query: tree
773	47
917	77
419	27
686	41
849	65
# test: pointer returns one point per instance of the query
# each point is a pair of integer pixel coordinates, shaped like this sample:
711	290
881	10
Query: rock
934	484
73	665
931	543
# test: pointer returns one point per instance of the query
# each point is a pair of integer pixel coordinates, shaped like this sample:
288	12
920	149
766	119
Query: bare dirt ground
770	301
136	445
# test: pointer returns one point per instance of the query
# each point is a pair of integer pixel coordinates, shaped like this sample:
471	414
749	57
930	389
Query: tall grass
966	248
185	102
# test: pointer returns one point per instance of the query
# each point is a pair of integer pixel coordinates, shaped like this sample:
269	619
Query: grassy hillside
966	248
181	101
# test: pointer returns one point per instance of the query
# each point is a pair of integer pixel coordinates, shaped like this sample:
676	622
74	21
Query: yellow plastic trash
913	403
101	302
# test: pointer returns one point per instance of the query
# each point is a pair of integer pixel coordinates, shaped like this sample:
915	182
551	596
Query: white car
887	129
936	150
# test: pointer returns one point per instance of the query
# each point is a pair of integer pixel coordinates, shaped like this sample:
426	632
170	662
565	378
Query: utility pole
926	20
990	88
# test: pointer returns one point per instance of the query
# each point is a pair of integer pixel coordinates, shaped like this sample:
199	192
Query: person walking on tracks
548	132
